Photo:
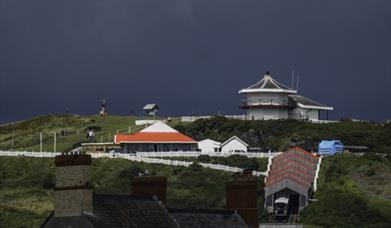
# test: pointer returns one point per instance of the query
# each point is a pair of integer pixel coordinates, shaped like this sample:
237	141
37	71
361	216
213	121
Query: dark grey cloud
191	55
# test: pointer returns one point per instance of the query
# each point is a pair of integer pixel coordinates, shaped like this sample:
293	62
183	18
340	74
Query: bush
204	158
48	181
130	172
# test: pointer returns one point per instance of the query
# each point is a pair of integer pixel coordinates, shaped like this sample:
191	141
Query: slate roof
294	169
205	218
304	102
268	84
144	212
129	211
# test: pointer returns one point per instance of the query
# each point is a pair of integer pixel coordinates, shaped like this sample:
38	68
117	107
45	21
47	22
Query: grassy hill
353	192
25	134
283	134
273	134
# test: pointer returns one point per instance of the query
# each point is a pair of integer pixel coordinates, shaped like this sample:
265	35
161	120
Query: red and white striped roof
158	132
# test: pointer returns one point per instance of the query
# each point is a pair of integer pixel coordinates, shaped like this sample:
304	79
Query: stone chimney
150	186
241	195
73	191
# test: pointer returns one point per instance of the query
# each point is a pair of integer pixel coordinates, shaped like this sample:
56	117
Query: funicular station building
291	179
269	99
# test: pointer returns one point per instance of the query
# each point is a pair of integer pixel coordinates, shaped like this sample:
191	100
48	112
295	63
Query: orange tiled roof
154	137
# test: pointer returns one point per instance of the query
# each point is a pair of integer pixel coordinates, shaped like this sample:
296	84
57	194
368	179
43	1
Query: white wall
233	145
267	113
208	145
304	114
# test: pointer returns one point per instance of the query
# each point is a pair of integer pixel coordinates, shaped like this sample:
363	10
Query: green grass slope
25	134
352	192
283	134
26	186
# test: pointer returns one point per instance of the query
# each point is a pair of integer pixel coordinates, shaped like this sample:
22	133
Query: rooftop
304	102
268	84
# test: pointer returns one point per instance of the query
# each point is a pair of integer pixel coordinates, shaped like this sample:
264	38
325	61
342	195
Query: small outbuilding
330	148
234	145
151	109
208	145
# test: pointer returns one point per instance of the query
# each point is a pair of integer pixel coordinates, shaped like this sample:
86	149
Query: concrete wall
233	145
281	97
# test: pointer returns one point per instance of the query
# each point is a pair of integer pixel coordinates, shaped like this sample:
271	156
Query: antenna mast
297	83
293	79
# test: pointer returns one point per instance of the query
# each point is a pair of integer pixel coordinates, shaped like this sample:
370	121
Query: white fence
184	163
133	158
211	154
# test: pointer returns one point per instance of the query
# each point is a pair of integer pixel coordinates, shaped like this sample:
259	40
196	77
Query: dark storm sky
191	55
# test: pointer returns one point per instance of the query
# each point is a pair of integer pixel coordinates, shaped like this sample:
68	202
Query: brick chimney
73	191
241	195
150	186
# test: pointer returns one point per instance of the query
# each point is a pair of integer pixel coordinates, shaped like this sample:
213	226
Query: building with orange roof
290	180
159	137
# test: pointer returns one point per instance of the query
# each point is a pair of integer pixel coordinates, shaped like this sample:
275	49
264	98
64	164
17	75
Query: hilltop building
159	137
269	99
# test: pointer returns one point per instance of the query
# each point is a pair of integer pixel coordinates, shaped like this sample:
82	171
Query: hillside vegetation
283	134
25	135
277	135
353	192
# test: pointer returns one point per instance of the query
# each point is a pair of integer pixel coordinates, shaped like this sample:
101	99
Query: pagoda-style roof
304	102
268	84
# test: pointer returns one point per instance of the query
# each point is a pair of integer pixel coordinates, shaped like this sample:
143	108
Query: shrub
48	181
204	158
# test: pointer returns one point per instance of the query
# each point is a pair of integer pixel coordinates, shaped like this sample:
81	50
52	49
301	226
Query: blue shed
330	148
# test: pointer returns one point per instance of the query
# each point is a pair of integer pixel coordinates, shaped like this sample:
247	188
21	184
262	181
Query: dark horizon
191	57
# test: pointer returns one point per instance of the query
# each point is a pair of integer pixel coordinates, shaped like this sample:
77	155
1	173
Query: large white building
269	99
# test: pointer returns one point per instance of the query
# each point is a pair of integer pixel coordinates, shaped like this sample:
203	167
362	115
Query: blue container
330	148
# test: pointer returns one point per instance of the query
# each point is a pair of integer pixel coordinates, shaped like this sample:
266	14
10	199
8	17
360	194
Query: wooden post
54	141
40	141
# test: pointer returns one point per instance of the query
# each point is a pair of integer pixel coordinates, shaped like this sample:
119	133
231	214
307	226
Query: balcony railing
257	103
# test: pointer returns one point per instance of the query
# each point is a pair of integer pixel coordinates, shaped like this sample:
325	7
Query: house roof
119	211
158	132
206	218
149	107
234	138
304	102
144	212
294	169
129	211
267	84
159	126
